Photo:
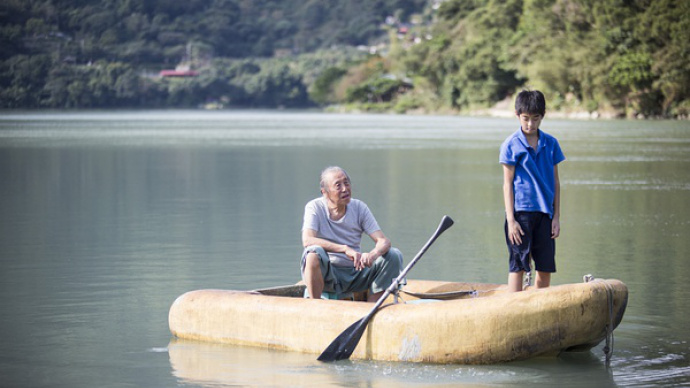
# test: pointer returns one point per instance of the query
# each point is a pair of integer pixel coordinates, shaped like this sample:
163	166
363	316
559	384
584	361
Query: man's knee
394	256
395	252
312	260
314	257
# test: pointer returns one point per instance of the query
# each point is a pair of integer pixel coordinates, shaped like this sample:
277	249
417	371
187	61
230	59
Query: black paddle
342	347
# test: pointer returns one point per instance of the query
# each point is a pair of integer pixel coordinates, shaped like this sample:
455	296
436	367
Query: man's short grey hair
328	170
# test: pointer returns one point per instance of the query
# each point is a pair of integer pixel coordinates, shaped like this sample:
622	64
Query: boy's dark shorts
536	240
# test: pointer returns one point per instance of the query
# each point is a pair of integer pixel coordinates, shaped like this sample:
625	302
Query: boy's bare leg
543	279
515	281
312	276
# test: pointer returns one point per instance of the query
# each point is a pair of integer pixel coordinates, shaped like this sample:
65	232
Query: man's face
338	189
530	122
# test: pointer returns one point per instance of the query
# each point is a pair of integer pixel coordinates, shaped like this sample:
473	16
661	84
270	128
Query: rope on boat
608	348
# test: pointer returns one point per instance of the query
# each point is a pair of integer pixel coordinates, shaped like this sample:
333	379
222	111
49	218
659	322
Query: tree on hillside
62	53
629	57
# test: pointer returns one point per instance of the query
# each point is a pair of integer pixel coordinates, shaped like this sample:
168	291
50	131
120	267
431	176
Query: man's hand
366	260
355	256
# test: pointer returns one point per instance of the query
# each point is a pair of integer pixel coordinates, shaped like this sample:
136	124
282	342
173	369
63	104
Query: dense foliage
629	57
107	53
616	57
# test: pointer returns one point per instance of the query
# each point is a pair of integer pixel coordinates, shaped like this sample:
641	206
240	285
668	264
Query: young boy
531	193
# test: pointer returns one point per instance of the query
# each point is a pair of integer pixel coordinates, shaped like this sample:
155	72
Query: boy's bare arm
556	221
514	230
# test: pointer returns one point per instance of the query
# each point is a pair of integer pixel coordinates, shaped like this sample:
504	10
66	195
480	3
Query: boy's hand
555	227
515	232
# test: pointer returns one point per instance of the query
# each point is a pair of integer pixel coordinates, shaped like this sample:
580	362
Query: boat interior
414	291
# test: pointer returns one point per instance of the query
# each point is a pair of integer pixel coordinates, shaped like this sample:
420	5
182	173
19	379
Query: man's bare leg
372	298
312	276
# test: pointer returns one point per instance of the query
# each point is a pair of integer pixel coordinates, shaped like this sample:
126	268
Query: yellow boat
433	321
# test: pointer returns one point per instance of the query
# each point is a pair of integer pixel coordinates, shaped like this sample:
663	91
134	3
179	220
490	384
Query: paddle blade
342	347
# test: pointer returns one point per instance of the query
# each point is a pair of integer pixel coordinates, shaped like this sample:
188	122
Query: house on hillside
180	71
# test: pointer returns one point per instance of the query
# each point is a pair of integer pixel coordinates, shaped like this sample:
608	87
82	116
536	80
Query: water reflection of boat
470	323
214	365
206	364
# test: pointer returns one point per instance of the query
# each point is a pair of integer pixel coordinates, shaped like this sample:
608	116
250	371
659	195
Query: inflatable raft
433	321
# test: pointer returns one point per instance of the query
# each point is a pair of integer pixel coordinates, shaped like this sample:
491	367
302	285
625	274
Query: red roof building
178	73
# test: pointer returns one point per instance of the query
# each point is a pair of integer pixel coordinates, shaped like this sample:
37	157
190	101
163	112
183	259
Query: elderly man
331	235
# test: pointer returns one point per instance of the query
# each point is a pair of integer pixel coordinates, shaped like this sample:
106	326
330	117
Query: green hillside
622	57
108	53
610	57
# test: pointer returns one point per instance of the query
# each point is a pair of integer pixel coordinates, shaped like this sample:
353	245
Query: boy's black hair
530	102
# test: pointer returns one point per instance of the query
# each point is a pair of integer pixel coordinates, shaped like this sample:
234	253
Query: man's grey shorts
344	280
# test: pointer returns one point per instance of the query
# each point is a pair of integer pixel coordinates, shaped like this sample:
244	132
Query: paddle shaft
343	346
446	223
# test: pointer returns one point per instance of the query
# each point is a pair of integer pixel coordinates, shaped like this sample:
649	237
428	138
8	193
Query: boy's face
530	123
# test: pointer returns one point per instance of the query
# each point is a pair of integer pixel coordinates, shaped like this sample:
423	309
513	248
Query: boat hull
486	326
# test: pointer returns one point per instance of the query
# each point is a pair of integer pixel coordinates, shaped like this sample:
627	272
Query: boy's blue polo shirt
534	183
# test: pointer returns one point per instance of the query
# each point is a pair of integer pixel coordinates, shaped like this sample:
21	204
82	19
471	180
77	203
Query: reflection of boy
531	193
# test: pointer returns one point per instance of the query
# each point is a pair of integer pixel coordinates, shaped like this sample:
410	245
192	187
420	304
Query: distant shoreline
497	111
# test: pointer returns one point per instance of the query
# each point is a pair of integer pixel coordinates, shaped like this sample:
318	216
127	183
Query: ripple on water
652	362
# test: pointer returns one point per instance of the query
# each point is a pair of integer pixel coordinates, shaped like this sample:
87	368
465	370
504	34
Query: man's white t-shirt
348	230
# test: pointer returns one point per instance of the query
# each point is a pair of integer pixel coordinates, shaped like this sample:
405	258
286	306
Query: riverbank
506	108
503	109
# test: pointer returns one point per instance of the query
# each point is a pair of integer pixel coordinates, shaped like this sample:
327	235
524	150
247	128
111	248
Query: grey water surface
106	217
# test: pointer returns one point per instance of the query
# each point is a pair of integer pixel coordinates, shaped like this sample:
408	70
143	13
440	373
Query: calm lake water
106	217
